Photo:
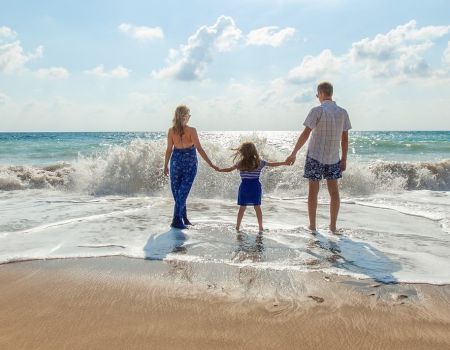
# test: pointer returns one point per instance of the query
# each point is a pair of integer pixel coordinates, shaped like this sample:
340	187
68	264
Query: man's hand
343	164
166	171
290	160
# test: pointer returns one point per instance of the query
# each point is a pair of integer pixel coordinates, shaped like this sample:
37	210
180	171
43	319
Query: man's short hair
326	88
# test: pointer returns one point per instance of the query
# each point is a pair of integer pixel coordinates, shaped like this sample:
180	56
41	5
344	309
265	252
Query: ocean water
101	194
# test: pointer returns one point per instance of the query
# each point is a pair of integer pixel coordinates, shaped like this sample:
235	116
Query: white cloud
4	99
52	73
118	72
12	57
400	52
189	62
304	96
6	32
275	91
314	68
269	36
141	32
446	56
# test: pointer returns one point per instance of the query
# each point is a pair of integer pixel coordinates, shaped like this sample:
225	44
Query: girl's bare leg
259	217
240	216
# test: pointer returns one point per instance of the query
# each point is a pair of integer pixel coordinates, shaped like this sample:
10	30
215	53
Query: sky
239	65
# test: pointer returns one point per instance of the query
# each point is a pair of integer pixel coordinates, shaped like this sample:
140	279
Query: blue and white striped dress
250	190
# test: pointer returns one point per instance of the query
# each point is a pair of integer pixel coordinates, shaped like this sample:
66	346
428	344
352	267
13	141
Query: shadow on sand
359	257
160	245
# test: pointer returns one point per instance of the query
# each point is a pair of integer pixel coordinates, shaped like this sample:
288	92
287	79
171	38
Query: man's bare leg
333	190
258	212
313	192
240	216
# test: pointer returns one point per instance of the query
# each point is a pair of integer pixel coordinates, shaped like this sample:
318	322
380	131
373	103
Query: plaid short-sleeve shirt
327	122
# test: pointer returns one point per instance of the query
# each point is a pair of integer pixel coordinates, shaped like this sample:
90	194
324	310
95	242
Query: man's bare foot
238	229
312	229
335	231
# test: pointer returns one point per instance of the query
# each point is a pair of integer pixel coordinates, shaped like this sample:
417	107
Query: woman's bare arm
168	152
200	149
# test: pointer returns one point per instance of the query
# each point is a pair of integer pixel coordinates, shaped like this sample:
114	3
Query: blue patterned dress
250	191
183	168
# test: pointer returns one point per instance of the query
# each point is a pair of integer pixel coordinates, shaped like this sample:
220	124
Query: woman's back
182	141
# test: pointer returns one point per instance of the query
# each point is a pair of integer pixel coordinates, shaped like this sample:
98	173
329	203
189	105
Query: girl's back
252	174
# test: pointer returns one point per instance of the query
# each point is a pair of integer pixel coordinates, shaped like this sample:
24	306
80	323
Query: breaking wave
138	168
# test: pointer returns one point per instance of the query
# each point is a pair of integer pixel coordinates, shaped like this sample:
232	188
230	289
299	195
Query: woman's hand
166	170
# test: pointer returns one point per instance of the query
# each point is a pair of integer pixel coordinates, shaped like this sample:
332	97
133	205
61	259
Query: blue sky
243	65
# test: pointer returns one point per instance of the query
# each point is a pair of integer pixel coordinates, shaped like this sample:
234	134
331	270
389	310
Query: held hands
290	160
220	170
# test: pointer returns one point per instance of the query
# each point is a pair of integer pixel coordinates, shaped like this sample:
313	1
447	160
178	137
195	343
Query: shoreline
119	302
341	277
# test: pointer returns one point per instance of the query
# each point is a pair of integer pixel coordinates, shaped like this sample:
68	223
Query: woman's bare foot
238	229
261	229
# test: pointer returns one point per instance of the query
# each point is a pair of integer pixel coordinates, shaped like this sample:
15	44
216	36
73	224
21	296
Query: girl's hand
166	171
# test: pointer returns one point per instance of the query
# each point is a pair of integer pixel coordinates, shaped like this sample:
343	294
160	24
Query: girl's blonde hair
177	122
248	157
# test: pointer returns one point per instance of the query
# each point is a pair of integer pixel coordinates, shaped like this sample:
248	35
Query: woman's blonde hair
248	157
177	122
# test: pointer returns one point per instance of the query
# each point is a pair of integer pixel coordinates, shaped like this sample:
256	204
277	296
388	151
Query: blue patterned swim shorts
316	171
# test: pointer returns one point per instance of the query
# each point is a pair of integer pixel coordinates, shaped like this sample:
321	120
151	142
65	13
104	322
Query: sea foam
138	168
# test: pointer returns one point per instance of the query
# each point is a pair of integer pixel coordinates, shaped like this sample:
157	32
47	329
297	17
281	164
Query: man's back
327	122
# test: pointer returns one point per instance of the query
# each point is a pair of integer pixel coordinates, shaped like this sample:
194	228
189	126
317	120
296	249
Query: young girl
249	165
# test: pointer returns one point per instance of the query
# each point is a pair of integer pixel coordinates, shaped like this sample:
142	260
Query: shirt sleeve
312	119
347	124
262	163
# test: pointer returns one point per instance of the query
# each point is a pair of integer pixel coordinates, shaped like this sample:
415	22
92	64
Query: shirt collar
328	102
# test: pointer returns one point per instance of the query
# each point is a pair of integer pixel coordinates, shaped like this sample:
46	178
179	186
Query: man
329	125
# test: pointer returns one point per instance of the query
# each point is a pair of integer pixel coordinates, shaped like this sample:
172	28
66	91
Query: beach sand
123	303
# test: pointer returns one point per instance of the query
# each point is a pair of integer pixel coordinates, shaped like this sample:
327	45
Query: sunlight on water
100	194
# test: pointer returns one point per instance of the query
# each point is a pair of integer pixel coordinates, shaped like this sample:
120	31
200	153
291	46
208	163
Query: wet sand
122	303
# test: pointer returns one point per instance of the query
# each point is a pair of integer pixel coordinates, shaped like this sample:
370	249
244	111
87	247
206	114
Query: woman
182	143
